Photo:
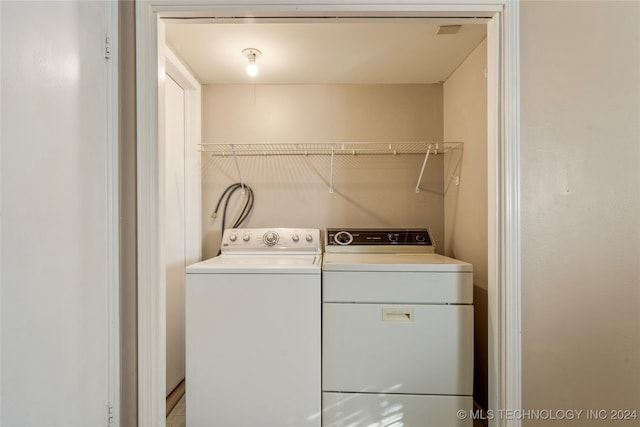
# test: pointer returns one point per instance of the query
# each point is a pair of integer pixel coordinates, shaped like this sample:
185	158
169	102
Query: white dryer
253	331
397	331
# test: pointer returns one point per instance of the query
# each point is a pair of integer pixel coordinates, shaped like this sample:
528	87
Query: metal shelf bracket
235	160
333	153
424	164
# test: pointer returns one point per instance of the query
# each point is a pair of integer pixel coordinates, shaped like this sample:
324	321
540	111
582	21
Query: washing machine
253	322
397	331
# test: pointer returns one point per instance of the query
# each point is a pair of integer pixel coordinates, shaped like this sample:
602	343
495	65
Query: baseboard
479	409
175	396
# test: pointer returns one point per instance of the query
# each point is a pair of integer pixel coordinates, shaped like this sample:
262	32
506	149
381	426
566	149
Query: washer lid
258	264
393	262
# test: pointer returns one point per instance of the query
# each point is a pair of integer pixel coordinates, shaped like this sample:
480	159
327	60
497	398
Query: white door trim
112	168
504	214
503	165
150	186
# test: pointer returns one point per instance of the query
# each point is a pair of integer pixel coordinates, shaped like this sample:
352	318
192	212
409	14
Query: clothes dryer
397	331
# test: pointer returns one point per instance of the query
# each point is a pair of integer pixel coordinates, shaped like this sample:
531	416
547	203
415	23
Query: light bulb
252	69
251	54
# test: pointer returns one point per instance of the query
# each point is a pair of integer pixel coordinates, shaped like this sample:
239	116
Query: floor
177	416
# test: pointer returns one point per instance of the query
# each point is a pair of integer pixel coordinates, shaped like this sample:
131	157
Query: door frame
504	271
192	90
193	131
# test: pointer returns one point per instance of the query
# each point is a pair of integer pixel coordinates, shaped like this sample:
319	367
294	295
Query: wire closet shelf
329	148
425	148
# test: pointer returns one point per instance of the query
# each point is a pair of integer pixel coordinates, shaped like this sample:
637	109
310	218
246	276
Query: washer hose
246	209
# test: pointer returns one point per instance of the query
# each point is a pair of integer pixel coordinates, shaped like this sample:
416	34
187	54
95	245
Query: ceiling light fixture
252	54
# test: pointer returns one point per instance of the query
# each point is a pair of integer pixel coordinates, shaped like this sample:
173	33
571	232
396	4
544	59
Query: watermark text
550	414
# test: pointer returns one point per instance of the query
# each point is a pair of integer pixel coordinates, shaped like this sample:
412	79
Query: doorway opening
502	230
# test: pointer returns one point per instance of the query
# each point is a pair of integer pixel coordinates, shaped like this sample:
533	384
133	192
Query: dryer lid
393	262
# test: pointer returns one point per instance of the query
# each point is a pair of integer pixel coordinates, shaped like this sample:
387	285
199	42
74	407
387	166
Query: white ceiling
354	52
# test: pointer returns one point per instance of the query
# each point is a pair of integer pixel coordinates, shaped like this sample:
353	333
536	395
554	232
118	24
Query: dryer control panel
290	240
383	240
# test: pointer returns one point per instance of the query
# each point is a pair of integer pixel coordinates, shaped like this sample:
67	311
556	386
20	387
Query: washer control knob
420	238
309	238
343	238
295	237
233	237
270	238
393	237
246	237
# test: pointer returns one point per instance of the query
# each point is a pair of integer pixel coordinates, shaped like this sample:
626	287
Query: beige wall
321	113
580	201
465	119
293	191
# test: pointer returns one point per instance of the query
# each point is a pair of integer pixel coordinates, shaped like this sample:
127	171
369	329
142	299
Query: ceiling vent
448	29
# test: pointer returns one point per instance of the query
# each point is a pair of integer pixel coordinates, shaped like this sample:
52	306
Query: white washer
253	331
397	331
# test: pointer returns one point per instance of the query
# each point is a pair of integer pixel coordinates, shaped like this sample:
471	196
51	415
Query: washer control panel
305	240
385	240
